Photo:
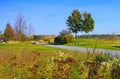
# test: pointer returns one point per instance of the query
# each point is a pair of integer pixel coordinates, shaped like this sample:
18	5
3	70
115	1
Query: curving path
113	53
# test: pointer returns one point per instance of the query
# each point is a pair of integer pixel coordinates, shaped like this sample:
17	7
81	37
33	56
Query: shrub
68	38
115	71
64	39
100	58
57	40
51	41
60	66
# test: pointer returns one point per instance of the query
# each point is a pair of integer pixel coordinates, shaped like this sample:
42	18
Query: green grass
102	43
27	61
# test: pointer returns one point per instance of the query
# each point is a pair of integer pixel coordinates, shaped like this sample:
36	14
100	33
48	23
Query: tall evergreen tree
9	32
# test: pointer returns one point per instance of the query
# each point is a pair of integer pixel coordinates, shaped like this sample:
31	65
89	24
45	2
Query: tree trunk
86	35
75	35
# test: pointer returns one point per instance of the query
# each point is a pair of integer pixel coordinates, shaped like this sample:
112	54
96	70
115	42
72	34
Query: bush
115	69
51	41
57	40
68	38
64	39
60	66
100	58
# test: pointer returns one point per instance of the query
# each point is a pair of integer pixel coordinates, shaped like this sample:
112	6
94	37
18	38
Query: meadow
28	61
96	42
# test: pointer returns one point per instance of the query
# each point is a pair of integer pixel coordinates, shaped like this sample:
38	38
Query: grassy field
28	61
101	43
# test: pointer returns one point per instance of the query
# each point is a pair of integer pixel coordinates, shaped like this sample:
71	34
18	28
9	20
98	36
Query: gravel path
113	53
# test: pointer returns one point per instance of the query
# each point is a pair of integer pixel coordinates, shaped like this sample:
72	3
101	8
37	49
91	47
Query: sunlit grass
29	61
102	43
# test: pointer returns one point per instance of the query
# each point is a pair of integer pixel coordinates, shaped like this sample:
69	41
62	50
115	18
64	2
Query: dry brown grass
13	42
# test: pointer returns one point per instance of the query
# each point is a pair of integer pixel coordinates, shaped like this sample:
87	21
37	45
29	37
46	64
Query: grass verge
27	61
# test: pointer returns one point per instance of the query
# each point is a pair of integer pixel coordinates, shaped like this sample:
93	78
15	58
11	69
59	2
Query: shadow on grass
116	46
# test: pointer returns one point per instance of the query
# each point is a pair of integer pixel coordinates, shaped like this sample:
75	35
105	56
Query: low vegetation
28	61
64	39
101	43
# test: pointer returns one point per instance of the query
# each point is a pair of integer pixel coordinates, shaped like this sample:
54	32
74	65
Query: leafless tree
20	27
30	30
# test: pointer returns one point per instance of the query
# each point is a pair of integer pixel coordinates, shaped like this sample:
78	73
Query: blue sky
49	16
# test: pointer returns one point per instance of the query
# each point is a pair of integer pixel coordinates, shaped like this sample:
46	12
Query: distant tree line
43	37
99	36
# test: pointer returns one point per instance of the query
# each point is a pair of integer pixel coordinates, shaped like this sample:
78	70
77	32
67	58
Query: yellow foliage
51	40
42	41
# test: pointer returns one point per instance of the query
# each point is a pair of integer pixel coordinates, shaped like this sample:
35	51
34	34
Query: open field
27	61
101	43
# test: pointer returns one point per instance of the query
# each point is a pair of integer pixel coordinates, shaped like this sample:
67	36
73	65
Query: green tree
88	23
9	32
74	22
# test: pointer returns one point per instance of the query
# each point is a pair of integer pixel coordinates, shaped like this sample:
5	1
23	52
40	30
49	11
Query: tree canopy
74	22
9	32
78	22
88	22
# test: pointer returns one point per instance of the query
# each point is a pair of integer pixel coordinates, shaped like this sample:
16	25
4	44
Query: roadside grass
102	43
28	61
24	61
